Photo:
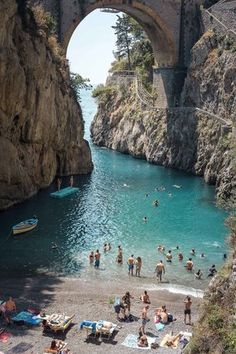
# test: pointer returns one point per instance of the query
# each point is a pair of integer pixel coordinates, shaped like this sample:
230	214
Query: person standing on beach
144	318
159	270
187	310
97	259
138	264
131	265
119	257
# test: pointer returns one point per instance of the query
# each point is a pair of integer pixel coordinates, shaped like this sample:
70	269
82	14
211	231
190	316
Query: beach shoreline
89	300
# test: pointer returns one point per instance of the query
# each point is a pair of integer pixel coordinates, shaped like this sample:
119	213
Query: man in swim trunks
97	259
131	265
189	264
144	318
169	257
187	310
159	270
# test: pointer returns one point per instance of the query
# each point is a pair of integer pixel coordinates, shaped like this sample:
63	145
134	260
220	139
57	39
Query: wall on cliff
183	137
41	126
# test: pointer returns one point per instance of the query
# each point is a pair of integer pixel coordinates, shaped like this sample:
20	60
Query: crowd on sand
122	309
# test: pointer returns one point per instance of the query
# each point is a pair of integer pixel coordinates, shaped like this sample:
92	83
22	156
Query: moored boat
24	226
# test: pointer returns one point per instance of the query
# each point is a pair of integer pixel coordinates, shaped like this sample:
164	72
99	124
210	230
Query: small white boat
24	226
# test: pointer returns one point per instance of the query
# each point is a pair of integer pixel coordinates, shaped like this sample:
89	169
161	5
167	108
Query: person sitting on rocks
212	271
145	298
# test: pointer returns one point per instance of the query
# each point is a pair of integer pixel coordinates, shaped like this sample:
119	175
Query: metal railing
150	101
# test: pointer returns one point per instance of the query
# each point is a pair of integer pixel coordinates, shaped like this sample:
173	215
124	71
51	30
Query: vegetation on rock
134	51
215	331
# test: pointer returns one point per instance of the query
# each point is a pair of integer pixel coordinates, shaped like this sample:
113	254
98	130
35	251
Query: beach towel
22	347
28	318
4	336
131	341
159	326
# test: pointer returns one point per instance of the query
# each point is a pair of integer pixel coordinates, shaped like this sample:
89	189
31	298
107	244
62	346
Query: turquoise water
110	207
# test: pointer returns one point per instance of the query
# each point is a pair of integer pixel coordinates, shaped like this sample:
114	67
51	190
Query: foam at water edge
175	289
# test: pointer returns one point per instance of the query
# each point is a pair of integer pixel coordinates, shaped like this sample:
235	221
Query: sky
91	45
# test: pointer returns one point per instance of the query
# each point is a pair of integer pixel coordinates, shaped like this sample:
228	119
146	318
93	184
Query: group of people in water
134	264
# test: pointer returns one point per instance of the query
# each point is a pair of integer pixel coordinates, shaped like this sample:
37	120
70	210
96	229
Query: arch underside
161	36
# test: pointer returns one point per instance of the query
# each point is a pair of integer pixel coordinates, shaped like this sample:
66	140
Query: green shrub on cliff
215	331
103	93
78	83
133	48
46	26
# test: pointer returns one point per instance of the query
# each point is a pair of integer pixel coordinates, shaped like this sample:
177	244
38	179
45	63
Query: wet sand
88	300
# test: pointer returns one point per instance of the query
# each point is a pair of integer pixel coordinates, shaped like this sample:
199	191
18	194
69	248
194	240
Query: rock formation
184	137
41	126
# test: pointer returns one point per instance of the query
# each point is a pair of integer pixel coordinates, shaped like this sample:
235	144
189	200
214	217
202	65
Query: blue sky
91	45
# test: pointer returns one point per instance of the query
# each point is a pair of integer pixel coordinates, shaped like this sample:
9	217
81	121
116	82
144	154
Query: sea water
109	207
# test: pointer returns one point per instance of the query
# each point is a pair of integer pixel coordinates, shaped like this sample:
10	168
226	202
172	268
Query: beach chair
58	322
105	329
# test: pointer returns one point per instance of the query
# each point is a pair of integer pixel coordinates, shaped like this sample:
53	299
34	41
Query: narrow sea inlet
110	207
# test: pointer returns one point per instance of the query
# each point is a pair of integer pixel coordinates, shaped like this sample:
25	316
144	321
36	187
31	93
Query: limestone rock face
183	138
41	126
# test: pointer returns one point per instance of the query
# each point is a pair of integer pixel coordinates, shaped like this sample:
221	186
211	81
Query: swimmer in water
145	219
202	255
199	273
155	202
161	248
180	256
192	252
169	256
54	246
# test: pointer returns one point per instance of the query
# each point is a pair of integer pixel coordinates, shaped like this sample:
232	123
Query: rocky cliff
186	137
41	126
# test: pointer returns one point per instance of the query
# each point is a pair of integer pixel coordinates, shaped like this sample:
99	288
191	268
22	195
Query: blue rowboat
24	226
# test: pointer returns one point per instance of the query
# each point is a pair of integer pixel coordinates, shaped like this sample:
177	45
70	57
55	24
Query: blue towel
91	324
27	318
159	326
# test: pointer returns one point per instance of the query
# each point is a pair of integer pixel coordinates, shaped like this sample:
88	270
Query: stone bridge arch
160	20
169	25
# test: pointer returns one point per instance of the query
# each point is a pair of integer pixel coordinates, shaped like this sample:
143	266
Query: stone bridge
170	25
